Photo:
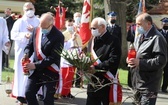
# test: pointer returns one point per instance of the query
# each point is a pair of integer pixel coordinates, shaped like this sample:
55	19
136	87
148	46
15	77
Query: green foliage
43	6
132	7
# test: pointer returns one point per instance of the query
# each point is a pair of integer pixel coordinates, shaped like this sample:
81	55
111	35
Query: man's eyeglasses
29	9
93	28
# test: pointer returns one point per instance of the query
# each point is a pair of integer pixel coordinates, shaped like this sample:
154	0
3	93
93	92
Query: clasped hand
91	69
133	62
28	66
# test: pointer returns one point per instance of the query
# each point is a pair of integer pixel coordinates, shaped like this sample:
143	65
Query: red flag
60	17
85	32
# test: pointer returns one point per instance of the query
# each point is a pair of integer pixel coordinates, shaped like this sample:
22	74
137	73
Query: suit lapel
46	39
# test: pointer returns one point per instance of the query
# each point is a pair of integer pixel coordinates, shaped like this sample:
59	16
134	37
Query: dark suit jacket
152	53
131	33
164	34
108	49
116	31
52	43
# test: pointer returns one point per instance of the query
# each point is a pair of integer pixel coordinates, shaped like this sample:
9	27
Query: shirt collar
148	32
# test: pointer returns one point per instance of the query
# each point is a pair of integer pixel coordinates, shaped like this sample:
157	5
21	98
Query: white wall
16	6
157	18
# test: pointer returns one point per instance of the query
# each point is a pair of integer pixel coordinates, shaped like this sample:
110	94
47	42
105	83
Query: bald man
147	67
44	43
20	33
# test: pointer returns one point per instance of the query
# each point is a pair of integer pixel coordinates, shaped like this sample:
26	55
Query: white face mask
95	32
141	30
70	28
30	13
77	20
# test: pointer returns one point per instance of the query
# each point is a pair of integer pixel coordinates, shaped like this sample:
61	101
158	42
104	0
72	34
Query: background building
15	5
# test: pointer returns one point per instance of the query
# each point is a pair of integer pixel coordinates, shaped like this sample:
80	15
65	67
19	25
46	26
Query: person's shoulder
65	32
57	32
19	21
110	36
117	26
37	19
2	19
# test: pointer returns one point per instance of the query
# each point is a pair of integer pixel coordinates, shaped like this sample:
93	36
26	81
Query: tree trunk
120	8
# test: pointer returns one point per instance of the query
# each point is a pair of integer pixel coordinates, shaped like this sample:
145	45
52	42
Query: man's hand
91	70
28	35
8	44
25	57
30	28
133	62
30	66
74	36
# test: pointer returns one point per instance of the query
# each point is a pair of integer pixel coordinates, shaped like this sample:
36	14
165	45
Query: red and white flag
85	32
60	16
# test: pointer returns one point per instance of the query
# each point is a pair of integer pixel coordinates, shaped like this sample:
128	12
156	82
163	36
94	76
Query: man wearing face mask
151	57
44	70
77	19
164	32
72	42
21	33
108	49
112	27
77	24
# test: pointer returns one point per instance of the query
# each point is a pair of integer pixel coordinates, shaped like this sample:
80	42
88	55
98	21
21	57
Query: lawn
10	72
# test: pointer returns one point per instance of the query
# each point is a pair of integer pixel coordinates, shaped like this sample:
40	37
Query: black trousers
45	78
5	60
129	82
78	79
149	99
5	57
165	78
100	97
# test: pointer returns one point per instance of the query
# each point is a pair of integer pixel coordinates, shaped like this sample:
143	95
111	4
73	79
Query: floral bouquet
80	60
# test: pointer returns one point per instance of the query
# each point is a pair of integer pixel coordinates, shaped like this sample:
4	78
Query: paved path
80	98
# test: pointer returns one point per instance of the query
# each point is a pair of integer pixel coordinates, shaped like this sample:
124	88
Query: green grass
123	76
8	71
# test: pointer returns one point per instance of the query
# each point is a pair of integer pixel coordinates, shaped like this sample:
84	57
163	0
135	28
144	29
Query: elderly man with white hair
106	48
21	33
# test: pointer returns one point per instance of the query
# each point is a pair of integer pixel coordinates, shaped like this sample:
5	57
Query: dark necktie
141	38
43	36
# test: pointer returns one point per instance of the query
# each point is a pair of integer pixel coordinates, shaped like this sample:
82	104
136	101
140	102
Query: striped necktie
141	38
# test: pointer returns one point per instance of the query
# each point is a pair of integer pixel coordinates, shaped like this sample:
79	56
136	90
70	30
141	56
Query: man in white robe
21	33
5	43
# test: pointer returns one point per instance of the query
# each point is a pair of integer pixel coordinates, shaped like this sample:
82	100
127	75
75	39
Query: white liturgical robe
18	33
3	39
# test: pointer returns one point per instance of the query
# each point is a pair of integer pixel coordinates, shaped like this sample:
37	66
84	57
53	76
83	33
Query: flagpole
91	11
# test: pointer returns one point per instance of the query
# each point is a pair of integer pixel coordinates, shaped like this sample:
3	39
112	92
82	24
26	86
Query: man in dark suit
44	43
112	27
107	47
151	57
10	21
164	32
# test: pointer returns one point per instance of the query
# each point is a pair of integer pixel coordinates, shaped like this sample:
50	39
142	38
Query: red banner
60	17
85	32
